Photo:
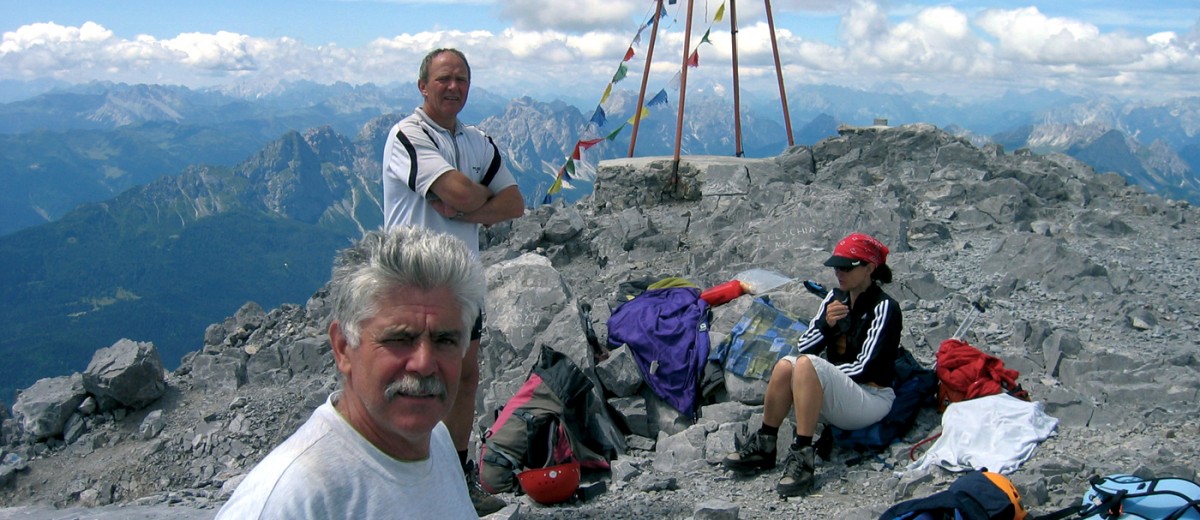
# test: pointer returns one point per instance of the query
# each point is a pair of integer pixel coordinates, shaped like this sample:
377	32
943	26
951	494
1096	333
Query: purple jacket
667	333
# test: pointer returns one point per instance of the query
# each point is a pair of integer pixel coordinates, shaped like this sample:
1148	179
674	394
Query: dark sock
801	442
769	430
462	459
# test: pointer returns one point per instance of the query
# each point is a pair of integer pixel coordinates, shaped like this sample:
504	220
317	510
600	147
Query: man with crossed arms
449	177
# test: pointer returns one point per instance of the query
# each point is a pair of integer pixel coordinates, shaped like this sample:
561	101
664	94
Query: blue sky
1148	49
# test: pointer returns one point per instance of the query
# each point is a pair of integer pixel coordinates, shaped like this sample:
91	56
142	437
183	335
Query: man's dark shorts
477	330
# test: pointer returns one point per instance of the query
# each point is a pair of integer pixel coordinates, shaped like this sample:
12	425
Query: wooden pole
687	45
737	103
637	121
787	118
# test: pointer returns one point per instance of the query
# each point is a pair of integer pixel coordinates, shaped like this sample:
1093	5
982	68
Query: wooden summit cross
737	119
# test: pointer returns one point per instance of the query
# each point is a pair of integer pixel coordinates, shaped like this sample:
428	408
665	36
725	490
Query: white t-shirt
426	151
328	470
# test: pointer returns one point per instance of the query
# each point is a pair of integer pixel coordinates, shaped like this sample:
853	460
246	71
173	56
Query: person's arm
457	192
476	202
813	339
506	205
883	338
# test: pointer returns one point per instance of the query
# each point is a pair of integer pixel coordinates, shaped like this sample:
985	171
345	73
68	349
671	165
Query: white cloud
574	15
1028	35
575	47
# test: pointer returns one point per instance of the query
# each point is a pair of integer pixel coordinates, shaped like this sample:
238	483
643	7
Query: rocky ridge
1089	286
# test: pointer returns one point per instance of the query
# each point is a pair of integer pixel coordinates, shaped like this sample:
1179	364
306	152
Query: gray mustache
414	386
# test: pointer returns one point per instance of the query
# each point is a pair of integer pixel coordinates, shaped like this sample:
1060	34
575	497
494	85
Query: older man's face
446	89
402	378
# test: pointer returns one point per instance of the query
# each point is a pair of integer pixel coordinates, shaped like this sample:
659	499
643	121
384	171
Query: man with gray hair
404	301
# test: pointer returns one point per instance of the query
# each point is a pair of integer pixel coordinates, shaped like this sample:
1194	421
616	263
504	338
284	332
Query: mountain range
150	211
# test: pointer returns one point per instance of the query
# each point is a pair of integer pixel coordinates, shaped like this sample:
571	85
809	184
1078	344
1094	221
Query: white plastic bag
758	281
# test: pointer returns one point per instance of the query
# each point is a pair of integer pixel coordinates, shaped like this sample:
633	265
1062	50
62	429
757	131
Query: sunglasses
847	268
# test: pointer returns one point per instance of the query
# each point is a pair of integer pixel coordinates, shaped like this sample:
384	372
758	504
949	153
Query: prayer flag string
599	117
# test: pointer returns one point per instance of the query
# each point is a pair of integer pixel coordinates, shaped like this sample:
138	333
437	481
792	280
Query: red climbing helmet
551	485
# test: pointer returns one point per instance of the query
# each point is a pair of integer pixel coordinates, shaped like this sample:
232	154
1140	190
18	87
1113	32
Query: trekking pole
599	352
966	325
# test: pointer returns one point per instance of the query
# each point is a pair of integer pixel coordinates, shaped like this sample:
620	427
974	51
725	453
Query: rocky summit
1088	287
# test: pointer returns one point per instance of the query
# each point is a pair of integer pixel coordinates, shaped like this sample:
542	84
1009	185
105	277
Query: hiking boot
485	504
757	453
797	473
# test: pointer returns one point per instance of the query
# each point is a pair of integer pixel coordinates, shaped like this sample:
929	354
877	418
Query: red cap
857	249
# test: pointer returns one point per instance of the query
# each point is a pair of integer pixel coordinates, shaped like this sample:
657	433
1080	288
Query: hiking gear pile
763	336
1128	497
551	485
551	420
998	432
965	372
721	294
978	495
666	330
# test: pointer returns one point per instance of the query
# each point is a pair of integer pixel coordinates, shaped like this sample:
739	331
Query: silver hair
423	70
404	256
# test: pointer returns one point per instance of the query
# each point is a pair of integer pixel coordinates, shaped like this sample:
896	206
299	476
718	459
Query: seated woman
857	329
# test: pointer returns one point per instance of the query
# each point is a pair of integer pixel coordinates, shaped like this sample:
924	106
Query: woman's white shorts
848	405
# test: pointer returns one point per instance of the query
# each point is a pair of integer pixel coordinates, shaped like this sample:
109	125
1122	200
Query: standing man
404	302
441	174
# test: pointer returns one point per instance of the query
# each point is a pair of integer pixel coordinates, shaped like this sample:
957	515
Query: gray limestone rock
127	374
619	373
565	223
1100	320
221	373
151	425
716	510
43	409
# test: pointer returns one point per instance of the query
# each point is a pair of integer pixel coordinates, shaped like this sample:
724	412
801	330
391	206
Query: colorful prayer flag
598	116
658	99
720	13
640	116
590	143
607	91
704	39
628	54
694	59
613	135
621	72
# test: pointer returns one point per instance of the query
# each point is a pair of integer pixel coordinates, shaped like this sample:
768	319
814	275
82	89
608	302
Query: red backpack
965	372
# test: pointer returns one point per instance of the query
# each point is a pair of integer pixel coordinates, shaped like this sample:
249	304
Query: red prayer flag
590	142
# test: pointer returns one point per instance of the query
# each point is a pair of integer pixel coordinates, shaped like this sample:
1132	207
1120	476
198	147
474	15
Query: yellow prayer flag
640	115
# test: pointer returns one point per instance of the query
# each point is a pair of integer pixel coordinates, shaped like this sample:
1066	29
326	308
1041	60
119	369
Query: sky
572	50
